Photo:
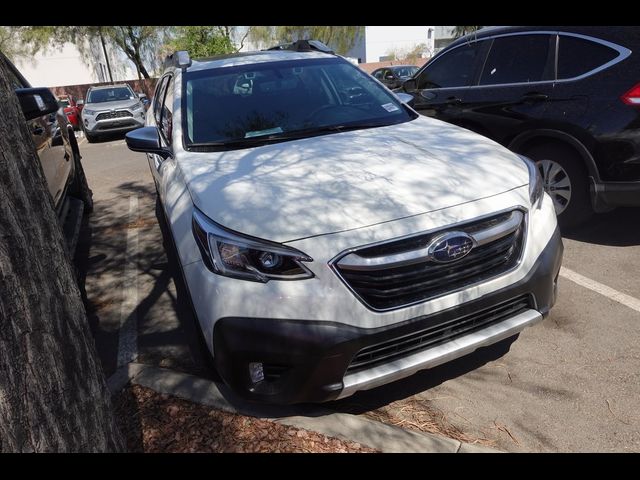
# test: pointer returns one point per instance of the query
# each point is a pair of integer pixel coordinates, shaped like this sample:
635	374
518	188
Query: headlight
536	185
86	111
137	106
234	255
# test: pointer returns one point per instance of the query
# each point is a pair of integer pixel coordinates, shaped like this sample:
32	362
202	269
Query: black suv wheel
565	180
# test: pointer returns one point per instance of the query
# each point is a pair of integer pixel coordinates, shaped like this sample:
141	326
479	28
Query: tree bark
53	394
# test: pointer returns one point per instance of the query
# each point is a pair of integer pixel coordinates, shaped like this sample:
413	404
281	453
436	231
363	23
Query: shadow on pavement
166	328
618	228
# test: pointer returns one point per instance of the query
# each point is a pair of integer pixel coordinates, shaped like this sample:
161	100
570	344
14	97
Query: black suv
568	97
58	151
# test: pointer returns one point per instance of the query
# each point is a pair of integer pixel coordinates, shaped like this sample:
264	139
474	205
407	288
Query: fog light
256	372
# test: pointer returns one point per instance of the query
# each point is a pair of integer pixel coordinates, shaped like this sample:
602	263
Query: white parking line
128	334
615	295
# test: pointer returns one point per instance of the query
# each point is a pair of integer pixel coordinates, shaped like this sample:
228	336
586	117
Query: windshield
282	100
405	71
115	94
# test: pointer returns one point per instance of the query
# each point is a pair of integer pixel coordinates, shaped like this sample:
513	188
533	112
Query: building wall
370	67
57	66
443	37
381	40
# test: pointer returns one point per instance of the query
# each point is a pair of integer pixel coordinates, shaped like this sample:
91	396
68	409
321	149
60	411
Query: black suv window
577	56
452	69
517	59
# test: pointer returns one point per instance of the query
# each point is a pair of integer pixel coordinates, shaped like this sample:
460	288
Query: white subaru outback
332	239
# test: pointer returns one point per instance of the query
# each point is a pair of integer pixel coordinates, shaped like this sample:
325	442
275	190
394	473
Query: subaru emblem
450	247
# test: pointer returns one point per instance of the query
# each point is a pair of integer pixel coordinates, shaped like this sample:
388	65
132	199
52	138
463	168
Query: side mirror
147	140
80	102
406	98
410	85
388	76
36	102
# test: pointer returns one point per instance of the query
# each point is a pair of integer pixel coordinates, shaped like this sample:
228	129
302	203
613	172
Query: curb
383	437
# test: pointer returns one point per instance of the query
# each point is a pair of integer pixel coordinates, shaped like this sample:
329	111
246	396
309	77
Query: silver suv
111	108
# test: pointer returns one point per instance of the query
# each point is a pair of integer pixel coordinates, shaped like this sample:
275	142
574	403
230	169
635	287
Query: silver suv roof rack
179	59
304	46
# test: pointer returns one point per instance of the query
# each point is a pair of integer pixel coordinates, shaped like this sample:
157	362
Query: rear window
577	56
517	59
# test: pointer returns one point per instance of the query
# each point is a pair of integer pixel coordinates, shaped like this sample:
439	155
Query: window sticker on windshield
259	133
389	107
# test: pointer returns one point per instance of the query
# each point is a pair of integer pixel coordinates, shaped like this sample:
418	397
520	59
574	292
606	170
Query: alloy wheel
556	183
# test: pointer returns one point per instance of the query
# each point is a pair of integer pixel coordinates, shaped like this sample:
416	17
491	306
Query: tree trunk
53	395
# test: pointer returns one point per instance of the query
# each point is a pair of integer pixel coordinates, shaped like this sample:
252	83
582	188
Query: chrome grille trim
112	115
353	261
486	229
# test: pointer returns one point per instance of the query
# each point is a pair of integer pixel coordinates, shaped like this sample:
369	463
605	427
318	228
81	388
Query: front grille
397	284
116	114
399	347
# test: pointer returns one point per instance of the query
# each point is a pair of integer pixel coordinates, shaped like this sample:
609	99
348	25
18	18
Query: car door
441	85
155	161
46	133
513	89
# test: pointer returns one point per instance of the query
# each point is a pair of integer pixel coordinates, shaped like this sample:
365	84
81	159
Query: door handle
535	97
453	101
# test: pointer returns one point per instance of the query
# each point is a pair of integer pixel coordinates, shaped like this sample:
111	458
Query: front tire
565	180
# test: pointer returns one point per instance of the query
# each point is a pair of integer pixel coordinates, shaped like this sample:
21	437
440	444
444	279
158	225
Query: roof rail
304	45
179	59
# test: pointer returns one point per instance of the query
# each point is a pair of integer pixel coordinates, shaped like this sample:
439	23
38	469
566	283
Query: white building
66	65
380	43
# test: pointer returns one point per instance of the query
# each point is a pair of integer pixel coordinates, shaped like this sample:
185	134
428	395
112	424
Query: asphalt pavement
568	384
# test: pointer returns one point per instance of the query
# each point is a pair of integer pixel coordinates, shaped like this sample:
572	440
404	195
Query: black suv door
514	86
442	84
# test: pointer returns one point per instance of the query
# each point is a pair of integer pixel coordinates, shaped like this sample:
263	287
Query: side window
518	59
158	97
378	74
577	56
453	69
166	119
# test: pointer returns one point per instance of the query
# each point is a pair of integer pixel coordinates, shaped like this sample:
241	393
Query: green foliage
409	54
460	31
202	41
12	45
340	38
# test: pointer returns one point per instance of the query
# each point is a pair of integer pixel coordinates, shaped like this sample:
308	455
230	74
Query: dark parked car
395	75
567	97
58	151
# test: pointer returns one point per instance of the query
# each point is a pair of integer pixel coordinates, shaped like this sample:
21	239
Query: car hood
337	182
111	105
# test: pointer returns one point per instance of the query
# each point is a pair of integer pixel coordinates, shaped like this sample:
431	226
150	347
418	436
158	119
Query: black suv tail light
632	97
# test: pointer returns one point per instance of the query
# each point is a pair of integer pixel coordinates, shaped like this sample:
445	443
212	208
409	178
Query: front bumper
91	125
306	360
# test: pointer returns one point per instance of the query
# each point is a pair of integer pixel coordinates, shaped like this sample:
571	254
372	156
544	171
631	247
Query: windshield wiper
294	134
